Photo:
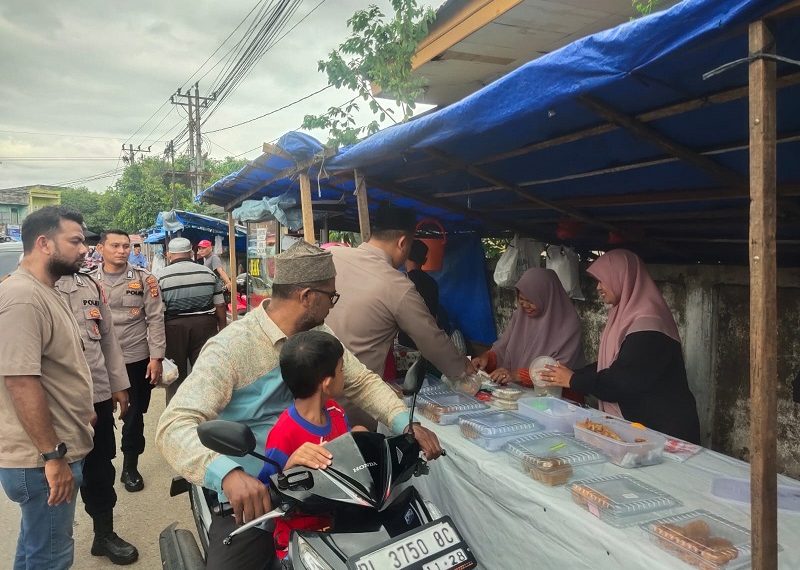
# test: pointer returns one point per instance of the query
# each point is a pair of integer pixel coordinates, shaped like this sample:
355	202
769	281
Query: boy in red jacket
311	366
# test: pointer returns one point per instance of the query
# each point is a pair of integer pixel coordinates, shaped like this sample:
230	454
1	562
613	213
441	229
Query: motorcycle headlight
309	557
433	510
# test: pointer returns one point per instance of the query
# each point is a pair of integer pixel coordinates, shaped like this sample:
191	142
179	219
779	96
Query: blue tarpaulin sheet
526	151
194	227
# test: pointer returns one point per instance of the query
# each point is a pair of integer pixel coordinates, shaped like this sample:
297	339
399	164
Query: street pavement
138	517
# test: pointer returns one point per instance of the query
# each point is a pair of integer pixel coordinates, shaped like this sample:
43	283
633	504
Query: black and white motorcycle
379	520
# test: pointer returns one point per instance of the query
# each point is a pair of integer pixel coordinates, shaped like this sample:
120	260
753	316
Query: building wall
41	197
711	308
12	213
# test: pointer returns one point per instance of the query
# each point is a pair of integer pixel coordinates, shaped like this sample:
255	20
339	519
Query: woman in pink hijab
639	374
545	323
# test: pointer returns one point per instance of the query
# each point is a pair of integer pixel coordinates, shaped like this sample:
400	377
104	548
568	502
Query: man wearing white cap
194	308
238	378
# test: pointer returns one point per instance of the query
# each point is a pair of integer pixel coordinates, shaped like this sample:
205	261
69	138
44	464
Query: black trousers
254	549
139	396
97	490
185	338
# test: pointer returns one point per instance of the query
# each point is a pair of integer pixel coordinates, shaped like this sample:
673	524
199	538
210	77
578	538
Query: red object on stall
568	229
435	245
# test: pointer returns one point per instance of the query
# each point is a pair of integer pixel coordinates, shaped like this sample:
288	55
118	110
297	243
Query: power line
65	135
46	158
271	112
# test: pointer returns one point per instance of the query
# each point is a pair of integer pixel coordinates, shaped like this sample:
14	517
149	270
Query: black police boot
131	477
107	543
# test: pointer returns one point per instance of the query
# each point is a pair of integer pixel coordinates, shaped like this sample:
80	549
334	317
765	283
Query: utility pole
193	103
198	146
129	154
171	152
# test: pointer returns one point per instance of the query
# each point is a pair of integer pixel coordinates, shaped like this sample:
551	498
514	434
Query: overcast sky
90	72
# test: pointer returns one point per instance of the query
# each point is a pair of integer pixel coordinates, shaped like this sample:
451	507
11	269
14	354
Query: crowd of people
299	369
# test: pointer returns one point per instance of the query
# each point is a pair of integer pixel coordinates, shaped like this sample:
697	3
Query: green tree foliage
644	7
144	189
377	53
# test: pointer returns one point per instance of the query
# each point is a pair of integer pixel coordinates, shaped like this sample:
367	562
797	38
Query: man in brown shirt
138	314
46	393
377	300
88	304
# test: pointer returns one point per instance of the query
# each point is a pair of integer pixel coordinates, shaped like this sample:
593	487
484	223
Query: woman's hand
502	376
557	375
481	362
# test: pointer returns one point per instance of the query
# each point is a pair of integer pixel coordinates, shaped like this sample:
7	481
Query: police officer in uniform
138	315
110	381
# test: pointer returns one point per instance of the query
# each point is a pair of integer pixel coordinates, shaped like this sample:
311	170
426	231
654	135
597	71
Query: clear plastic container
551	457
446	407
620	500
555	414
493	429
702	539
632	447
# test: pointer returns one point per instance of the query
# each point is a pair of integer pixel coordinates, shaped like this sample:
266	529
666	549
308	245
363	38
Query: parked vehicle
379	520
10	252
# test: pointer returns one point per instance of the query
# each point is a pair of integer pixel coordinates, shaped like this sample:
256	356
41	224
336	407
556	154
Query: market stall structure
676	135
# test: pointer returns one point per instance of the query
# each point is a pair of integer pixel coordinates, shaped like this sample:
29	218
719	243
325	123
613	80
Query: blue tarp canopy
194	227
587	132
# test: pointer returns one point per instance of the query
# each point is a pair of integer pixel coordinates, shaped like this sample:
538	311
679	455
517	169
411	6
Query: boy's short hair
307	358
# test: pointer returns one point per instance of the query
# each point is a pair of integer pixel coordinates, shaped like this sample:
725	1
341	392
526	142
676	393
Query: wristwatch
59	452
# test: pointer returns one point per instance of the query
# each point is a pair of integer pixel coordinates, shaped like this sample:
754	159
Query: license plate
449	560
422	549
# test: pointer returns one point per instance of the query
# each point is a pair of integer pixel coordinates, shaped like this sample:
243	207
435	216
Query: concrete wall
711	308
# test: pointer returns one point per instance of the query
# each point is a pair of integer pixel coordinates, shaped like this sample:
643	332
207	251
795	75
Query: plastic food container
505	397
620	500
551	457
445	408
632	447
494	428
540	387
555	414
702	539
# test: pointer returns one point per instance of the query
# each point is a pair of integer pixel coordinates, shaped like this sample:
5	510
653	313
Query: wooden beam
232	264
363	205
487	219
646	117
639	198
566	210
285	173
788	138
307	208
784	11
270	148
648	134
763	302
468	20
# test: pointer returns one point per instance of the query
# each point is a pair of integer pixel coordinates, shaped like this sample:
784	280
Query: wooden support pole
363	205
308	212
763	302
232	264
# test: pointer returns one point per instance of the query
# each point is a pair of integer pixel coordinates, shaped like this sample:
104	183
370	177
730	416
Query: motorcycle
378	520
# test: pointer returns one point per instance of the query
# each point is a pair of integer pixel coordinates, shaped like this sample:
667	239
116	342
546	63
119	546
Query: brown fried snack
602	429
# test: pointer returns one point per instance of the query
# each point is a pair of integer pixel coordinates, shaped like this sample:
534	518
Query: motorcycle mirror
227	438
415	376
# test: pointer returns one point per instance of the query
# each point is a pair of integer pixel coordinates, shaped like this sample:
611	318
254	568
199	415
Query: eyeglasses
332	295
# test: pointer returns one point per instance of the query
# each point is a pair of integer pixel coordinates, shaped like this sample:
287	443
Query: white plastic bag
521	255
564	261
506	272
169	373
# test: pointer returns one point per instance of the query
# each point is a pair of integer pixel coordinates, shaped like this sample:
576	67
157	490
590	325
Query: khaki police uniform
138	315
88	304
